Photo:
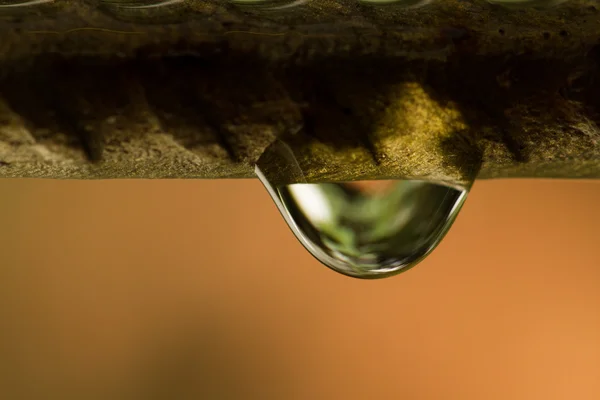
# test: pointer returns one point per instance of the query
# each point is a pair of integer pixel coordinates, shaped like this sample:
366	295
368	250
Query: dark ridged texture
199	89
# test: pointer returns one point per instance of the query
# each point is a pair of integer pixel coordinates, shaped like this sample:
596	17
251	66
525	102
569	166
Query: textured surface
201	89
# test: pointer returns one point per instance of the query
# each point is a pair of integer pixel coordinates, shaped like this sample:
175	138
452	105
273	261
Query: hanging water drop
372	229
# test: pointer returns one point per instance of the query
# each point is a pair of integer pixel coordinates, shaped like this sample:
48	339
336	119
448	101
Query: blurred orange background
198	290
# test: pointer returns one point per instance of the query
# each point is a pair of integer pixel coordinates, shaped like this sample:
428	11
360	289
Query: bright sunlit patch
313	202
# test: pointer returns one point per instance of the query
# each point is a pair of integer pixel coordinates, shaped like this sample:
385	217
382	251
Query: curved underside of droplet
363	233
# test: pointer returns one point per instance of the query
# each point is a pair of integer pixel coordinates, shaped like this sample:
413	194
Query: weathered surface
200	89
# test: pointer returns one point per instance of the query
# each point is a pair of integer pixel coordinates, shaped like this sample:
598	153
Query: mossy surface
200	90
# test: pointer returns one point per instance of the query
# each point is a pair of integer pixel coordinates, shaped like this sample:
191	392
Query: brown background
197	290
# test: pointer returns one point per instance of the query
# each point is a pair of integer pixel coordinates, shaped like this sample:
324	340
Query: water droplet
371	229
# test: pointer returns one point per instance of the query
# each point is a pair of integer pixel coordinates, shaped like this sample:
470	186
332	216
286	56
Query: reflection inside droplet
370	229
